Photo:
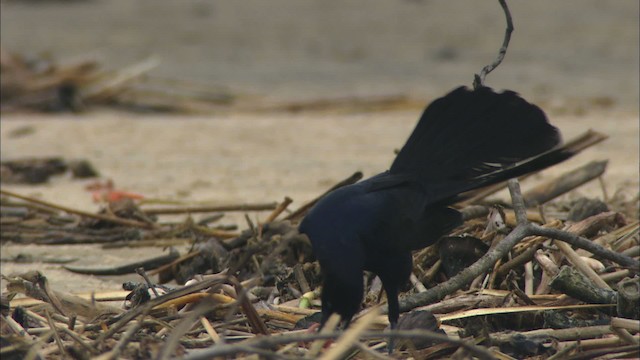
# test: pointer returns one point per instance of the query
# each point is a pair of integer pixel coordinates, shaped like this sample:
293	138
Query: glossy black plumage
463	141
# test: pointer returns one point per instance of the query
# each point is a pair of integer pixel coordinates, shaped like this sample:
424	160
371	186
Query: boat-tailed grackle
464	140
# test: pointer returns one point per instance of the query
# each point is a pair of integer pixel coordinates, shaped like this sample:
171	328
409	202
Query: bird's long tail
478	137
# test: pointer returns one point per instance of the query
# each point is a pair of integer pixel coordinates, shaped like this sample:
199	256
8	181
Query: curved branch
486	262
479	79
467	275
517	201
586	244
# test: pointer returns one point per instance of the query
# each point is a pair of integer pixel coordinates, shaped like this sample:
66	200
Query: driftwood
565	183
629	298
576	285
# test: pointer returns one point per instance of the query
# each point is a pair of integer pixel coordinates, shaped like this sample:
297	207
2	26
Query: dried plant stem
132	314
519	260
111	219
346	340
588	332
253	344
133	328
328	328
35	349
15	327
586	244
608	344
625	335
549	268
189	320
56	336
78	338
370	353
581	265
419	286
528	278
206	209
279	209
615	276
629	324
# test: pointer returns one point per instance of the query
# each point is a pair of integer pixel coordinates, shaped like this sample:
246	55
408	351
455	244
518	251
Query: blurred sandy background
577	59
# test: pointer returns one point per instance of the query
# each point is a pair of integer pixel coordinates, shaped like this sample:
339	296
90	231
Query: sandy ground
571	50
577	59
236	159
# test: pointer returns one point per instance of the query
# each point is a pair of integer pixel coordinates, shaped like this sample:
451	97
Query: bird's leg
394	312
391	343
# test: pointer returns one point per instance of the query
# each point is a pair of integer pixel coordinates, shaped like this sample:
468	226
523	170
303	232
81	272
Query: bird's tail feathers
472	134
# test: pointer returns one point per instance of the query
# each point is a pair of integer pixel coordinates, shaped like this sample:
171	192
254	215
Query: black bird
464	140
